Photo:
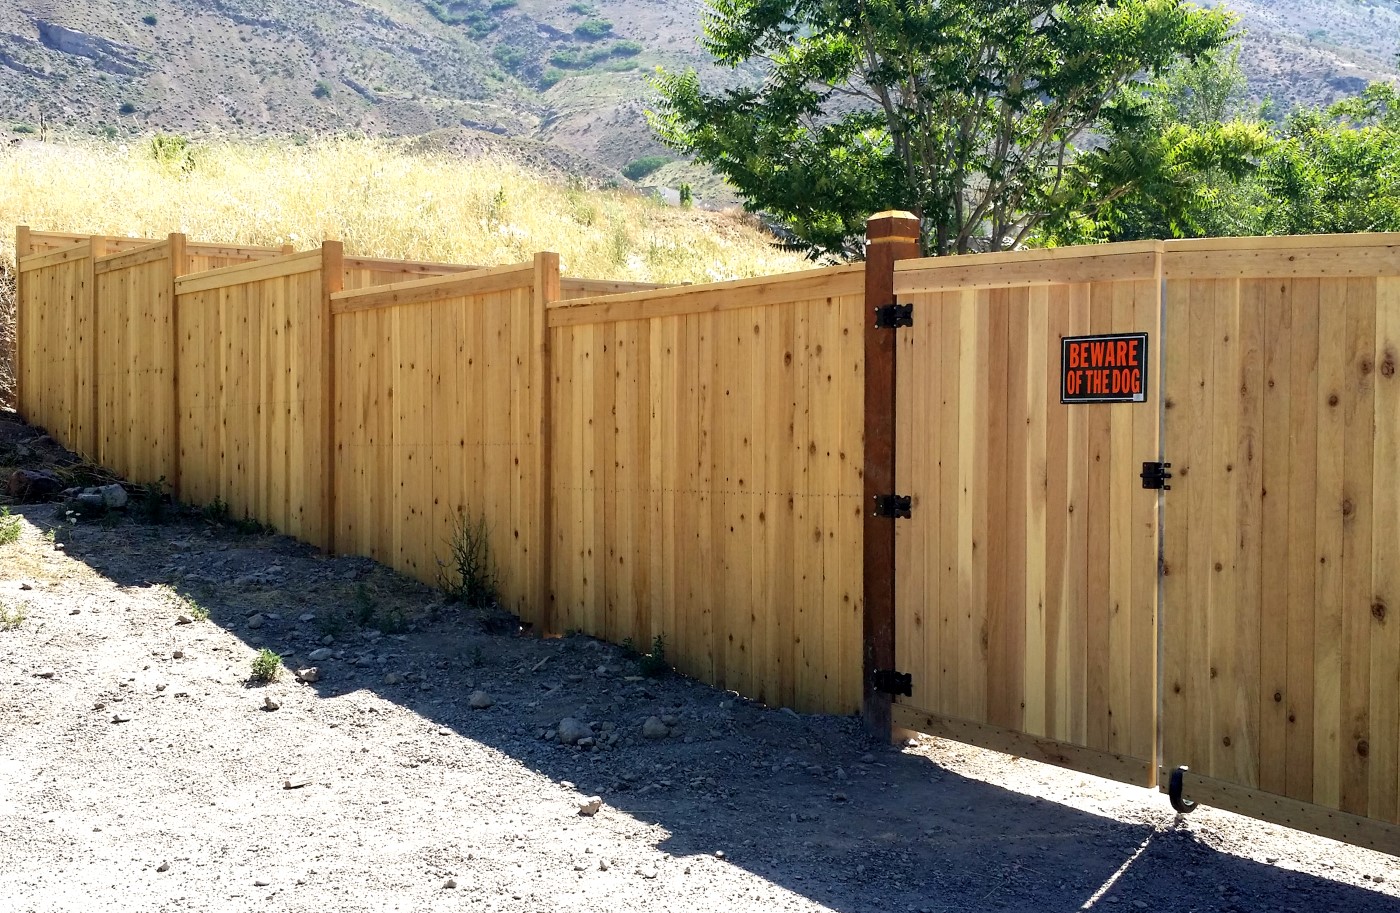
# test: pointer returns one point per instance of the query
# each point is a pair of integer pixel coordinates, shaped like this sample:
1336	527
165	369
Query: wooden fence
707	479
691	463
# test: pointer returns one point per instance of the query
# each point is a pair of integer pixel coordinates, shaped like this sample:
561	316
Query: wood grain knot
1378	609
1348	508
1388	366
1225	741
1333	400
1363	748
1278	697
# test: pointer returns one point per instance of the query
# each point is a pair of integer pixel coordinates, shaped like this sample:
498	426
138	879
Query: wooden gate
1027	576
1281	605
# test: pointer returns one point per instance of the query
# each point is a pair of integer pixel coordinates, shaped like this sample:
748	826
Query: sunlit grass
381	202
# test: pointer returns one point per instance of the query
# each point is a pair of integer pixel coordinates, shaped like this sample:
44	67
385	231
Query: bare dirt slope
139	769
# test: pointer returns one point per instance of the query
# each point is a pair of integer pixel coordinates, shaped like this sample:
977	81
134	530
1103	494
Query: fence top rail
427	267
149	253
595	288
436	288
214	249
1321	256
79	251
1285	242
246	273
762	291
1129	261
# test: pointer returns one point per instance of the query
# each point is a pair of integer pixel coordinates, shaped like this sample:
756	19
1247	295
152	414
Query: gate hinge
893	316
1156	475
888	681
894	507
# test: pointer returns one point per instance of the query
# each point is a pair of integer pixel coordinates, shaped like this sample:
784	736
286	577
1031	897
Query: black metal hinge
888	681
1156	475
894	316
894	507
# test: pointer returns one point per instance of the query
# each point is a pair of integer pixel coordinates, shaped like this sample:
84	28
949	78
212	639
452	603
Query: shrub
654	664
9	527
149	19
637	169
501	5
267	666
593	29
173	152
582	9
687	195
627	48
470	576
550	76
11	616
509	57
25	128
322	90
126	108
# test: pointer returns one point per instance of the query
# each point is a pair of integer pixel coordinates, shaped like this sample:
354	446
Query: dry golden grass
378	200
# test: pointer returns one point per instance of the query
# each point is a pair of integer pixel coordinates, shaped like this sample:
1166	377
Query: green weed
9	527
267	666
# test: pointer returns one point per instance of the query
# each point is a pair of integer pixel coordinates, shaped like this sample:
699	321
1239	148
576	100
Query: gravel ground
140	769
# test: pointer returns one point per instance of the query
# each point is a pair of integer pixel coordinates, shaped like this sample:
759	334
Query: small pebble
449	884
163	867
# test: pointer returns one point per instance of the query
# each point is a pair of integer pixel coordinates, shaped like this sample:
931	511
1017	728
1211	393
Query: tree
967	112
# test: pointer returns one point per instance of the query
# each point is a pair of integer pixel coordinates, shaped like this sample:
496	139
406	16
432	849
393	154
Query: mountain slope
570	73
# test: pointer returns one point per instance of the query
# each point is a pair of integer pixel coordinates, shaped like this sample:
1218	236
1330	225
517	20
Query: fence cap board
78	251
244	273
1366	256
436	288
1063	266
387	265
150	253
762	291
197	249
594	288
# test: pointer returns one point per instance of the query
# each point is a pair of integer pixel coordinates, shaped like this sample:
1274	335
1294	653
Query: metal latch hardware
888	681
894	316
894	507
1156	475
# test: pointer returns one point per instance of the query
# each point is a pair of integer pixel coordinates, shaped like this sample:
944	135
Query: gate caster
1174	788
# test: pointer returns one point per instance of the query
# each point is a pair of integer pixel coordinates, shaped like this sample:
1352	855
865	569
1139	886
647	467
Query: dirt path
183	805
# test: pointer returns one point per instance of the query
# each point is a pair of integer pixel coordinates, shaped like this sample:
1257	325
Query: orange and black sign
1104	369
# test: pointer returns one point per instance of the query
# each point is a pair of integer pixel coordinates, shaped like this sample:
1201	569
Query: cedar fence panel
254	371
1281	645
439	420
707	479
1027	582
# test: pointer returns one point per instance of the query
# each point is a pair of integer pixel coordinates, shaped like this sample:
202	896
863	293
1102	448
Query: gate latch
888	681
1156	475
894	507
894	316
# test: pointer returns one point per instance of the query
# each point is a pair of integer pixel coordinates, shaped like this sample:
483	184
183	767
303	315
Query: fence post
23	245
179	263
546	293
890	236
97	247
332	281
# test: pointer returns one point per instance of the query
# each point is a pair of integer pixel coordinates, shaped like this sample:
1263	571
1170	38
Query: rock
308	616
26	586
256	622
449	884
91	502
30	486
647	872
587	742
270	704
310	676
670	719
393	678
161	687
867	759
261	882
317	656
328	640
571	730
45	673
114	497
121	718
163	867
590	806
177	654
480	700
184	620
653	728
296	783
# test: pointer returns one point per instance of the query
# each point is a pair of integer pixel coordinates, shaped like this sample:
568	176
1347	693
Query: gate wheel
1174	789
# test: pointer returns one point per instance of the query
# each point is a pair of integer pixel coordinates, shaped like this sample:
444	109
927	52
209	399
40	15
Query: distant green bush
582	9
509	57
322	90
550	76
149	19
627	48
639	168
25	128
593	29
578	58
126	108
499	5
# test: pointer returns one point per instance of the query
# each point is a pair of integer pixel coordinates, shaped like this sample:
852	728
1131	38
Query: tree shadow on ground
803	802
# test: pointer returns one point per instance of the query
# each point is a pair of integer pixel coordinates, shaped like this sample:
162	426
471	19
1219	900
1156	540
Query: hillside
544	75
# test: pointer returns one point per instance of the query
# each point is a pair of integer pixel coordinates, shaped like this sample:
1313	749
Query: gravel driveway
140	769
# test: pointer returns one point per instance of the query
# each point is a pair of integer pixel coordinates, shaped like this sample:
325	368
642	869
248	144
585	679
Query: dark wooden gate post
890	236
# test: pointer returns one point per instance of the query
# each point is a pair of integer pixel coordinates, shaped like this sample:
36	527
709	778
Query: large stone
653	728
571	730
480	700
30	486
320	655
113	496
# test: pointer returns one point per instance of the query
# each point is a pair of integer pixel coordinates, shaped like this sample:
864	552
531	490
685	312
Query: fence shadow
890	831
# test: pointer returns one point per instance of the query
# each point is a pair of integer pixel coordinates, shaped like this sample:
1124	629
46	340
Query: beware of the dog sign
1104	369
